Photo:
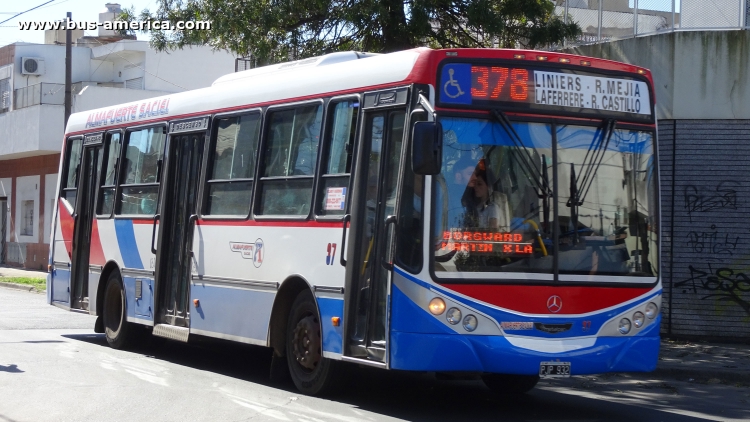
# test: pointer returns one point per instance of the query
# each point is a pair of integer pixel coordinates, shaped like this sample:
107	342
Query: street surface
53	367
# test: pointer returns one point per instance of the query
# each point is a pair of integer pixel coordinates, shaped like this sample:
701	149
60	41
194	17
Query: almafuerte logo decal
252	251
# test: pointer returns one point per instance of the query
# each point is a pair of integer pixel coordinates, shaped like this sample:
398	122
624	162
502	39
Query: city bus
489	212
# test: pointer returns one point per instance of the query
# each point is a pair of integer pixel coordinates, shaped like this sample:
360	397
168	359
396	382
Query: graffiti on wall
714	278
698	200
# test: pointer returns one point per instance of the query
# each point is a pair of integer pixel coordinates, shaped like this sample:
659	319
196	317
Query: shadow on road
10	368
417	396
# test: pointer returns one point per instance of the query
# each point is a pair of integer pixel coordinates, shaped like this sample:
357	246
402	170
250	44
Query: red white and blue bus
468	210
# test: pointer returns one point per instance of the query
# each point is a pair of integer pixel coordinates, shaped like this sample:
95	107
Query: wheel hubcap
306	342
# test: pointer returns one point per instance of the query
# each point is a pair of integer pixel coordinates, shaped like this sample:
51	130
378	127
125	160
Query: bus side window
70	181
337	159
289	158
139	178
232	161
109	179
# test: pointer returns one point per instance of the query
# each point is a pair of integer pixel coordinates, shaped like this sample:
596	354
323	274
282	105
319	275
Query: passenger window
290	155
111	164
70	185
230	182
140	172
337	159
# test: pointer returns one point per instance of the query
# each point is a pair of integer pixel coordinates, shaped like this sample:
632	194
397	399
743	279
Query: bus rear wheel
510	383
311	372
116	328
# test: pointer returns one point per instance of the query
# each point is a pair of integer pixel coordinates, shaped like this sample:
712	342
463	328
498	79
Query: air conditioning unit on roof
32	66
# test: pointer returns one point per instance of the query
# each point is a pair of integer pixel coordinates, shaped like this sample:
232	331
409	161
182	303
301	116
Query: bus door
373	219
179	200
83	219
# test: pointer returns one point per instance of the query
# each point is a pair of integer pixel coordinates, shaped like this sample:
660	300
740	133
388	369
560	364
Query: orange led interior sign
485	242
499	83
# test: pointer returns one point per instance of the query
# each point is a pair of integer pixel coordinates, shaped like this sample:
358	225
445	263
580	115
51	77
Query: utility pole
68	67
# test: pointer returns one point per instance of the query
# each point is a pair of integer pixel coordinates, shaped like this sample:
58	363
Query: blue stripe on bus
128	248
453	352
332	336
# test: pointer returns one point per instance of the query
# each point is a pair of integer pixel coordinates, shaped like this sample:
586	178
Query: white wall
6	185
50	189
176	71
54	63
31	131
27	189
697	74
191	68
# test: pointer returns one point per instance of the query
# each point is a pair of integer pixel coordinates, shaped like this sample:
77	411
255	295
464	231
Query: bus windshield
495	204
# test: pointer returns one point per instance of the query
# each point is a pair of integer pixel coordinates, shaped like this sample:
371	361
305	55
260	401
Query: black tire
510	383
117	330
311	373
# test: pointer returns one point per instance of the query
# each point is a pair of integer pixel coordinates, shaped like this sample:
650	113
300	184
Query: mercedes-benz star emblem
554	304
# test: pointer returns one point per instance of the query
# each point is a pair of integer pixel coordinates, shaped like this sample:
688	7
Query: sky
82	10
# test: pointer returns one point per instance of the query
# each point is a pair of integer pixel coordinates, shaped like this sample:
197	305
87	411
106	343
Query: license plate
554	369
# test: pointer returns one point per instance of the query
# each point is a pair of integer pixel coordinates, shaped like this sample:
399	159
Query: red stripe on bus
96	252
533	299
67	224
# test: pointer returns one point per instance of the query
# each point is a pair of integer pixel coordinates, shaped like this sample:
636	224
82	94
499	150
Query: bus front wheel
510	383
311	372
116	328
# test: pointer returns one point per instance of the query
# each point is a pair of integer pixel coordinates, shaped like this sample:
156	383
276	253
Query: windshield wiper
599	147
525	158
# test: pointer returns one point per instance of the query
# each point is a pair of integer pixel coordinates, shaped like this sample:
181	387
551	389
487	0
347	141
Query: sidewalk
19	272
712	363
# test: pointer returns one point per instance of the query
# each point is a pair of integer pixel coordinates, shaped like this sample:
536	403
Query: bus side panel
240	314
139	310
332	335
239	265
60	277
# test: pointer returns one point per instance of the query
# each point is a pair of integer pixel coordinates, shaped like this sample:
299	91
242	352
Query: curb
24	287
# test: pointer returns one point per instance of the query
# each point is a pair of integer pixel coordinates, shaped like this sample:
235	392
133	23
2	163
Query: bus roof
332	74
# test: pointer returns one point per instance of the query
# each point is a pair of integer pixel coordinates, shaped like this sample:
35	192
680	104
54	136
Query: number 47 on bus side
331	253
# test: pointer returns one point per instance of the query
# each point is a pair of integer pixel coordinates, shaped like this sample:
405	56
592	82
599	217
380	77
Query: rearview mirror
427	148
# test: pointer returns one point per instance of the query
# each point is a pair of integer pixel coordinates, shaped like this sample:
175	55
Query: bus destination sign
543	88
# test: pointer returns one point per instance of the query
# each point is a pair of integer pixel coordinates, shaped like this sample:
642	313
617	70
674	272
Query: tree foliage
279	30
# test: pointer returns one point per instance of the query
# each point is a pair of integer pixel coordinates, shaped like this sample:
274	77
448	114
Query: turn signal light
196	303
437	306
335	321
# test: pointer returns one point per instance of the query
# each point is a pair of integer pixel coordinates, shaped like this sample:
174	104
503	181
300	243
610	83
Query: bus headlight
651	310
470	323
638	319
437	306
453	316
624	326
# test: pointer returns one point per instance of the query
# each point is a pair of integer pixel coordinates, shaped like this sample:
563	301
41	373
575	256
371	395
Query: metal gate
706	238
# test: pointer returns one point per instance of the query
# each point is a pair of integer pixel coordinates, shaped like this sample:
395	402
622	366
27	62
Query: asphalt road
53	367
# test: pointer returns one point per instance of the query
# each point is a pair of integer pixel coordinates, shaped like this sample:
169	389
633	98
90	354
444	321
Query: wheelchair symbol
452	83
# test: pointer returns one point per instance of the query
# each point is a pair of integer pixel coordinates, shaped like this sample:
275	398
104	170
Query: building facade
702	84
106	70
